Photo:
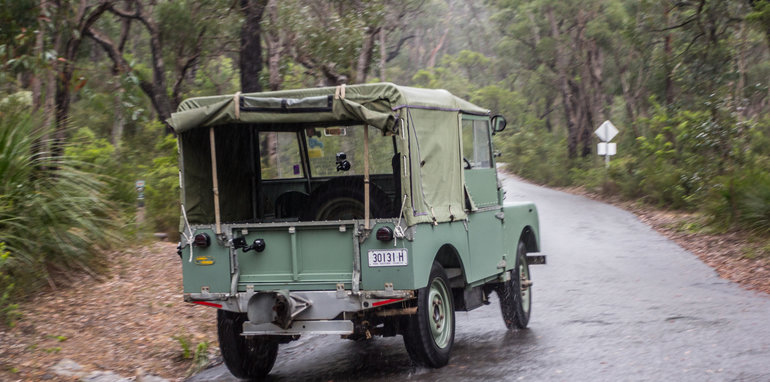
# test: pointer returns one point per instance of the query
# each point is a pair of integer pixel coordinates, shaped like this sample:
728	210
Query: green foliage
535	154
761	15
742	200
87	151
8	311
681	155
163	187
54	213
217	76
200	358
184	342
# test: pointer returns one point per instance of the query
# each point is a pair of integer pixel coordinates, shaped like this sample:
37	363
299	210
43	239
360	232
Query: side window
476	149
279	155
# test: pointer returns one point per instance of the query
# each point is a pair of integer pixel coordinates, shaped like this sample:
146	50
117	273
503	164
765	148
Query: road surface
616	302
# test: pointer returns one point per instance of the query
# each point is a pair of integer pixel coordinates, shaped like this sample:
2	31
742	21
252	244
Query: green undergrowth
706	162
56	213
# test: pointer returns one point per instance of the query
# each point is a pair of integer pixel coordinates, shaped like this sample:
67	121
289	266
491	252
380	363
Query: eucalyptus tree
179	32
335	41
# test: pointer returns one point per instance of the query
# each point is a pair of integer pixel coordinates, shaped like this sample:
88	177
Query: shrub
8	311
163	188
534	153
742	200
55	216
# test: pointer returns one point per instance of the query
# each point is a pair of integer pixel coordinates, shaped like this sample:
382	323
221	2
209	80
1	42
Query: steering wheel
467	163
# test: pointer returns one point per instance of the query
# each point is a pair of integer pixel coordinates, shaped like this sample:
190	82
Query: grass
55	217
757	252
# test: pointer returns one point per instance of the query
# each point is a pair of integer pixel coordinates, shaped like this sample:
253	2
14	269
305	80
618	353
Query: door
484	228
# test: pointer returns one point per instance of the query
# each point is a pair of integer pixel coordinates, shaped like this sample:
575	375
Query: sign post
606	132
140	192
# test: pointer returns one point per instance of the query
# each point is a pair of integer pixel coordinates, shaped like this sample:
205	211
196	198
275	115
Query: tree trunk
669	81
365	58
567	99
436	49
382	56
275	44
251	45
85	17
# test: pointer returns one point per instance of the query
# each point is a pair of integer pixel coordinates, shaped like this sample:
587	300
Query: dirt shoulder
736	256
133	318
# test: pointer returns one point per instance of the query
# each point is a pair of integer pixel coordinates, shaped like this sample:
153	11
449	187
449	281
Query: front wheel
430	332
246	357
516	294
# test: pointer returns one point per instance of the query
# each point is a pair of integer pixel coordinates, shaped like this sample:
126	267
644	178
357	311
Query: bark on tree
85	16
568	101
251	45
436	49
367	51
275	47
579	67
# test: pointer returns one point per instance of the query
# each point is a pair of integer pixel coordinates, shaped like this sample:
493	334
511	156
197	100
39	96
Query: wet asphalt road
616	302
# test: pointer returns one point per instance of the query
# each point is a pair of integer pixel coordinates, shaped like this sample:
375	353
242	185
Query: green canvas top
429	144
376	104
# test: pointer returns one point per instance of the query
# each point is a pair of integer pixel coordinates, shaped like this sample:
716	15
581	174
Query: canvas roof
376	104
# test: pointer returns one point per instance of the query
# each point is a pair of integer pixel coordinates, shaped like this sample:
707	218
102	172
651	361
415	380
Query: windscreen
339	151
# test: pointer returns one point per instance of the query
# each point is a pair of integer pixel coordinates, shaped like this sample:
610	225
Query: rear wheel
246	357
516	294
430	332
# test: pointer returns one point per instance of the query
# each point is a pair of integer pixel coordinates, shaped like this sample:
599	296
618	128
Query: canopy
375	104
429	144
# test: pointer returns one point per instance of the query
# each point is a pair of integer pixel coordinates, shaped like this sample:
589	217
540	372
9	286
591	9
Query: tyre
342	198
246	357
516	294
430	332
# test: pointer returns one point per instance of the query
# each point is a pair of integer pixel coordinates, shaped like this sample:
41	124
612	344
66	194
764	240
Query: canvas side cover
436	183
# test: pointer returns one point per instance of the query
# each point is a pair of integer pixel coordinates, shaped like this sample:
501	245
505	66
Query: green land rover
362	210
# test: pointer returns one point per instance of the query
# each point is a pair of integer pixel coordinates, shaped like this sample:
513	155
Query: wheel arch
529	238
449	258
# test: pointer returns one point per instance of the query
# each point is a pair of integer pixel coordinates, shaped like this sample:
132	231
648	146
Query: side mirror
498	124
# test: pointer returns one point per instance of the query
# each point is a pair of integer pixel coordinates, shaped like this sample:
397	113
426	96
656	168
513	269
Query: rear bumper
304	312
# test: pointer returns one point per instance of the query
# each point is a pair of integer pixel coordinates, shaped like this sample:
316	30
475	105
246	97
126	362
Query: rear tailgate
304	256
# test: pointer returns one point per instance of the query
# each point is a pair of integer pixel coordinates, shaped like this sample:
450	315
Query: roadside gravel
134	317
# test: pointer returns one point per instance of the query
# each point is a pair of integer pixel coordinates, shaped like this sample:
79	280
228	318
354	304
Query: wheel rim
525	285
440	315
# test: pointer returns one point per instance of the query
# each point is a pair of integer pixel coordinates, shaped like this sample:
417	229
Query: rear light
384	234
201	240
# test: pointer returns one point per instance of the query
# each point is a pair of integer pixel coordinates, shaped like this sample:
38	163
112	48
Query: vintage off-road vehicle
362	210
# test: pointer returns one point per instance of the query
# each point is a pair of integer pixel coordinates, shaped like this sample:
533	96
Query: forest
87	85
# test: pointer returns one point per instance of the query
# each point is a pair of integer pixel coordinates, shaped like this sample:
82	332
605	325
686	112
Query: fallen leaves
126	321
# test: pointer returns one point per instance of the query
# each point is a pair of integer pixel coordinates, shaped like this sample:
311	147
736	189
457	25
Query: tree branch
394	52
692	19
188	63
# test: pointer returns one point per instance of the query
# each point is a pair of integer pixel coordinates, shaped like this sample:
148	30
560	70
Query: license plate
388	257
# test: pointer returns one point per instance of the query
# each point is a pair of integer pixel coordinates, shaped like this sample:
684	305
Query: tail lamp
384	234
201	240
